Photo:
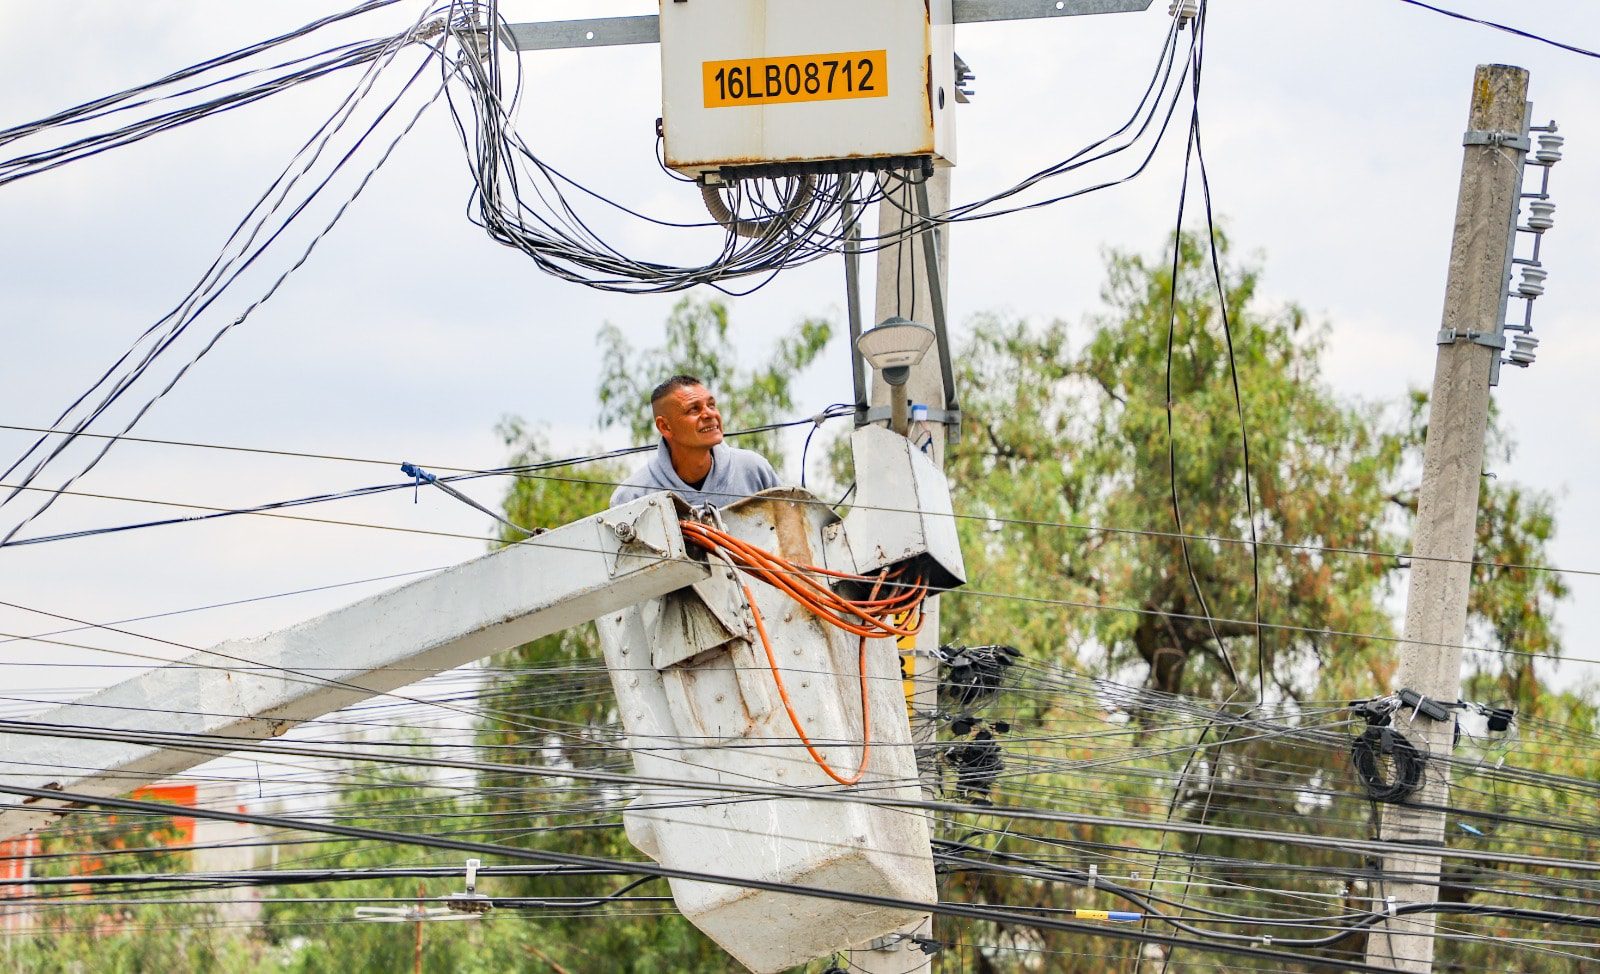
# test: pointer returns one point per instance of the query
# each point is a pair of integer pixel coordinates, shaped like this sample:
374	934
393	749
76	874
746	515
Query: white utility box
901	514
783	87
696	694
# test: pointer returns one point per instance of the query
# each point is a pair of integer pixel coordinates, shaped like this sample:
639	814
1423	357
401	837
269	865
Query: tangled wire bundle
1379	742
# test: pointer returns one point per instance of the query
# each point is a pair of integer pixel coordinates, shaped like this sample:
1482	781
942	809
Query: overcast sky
1333	136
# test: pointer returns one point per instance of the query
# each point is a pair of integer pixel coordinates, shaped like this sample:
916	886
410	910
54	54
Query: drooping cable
252	238
1518	32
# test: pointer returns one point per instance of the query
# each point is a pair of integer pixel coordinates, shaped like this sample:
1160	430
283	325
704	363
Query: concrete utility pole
1447	510
903	290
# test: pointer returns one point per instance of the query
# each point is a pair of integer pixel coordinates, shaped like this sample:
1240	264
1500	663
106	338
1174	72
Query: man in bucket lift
691	460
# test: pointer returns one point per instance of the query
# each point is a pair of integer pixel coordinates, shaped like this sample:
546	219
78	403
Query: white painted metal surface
560	579
755	82
901	510
682	718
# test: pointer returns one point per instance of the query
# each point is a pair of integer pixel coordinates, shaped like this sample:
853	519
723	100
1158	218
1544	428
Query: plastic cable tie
1388	905
1094	877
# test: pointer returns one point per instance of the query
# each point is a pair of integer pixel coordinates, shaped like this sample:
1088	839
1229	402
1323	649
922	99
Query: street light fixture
892	348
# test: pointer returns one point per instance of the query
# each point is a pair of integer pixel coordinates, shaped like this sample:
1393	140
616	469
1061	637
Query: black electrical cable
1387	556
110	104
654	870
1171	403
1503	27
1353	922
298	876
358	492
229	266
1235	866
1172	451
1165	77
1233	362
45	160
1368	752
1197	48
832	412
213	743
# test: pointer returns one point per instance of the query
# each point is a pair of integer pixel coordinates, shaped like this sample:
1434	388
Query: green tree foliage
1078	437
1067	483
77	936
312	937
1074	493
698	343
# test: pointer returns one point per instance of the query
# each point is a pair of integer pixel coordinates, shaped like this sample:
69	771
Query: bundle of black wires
768	223
329	170
1372	749
765	224
187	95
523	202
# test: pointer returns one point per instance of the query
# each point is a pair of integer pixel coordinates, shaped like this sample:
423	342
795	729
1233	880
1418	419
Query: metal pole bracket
1488	339
1509	140
930	254
947	417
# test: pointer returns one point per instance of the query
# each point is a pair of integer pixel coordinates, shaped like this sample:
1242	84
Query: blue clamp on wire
419	474
1469	829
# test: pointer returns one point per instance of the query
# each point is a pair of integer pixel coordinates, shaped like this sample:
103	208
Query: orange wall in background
188	795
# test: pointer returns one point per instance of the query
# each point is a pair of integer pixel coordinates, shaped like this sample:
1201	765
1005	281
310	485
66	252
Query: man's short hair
672	385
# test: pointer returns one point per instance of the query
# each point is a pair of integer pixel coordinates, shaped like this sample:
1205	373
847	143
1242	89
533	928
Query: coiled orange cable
876	618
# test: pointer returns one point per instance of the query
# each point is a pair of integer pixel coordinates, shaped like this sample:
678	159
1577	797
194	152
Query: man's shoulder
635	487
740	455
751	471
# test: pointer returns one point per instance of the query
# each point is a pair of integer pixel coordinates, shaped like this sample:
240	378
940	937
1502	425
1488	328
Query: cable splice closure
1381	742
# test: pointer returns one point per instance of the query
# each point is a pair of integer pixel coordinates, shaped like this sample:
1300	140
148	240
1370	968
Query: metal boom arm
614	31
560	579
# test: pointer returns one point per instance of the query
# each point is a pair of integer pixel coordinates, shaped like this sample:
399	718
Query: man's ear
661	426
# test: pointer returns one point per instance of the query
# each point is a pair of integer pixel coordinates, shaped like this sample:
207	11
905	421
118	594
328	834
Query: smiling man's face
687	418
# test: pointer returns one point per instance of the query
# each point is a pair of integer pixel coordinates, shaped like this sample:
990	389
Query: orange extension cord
866	618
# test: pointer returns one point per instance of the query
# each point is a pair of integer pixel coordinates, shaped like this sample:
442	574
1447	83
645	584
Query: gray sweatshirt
735	474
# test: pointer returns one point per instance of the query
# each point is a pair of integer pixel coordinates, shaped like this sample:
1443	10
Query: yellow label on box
807	77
